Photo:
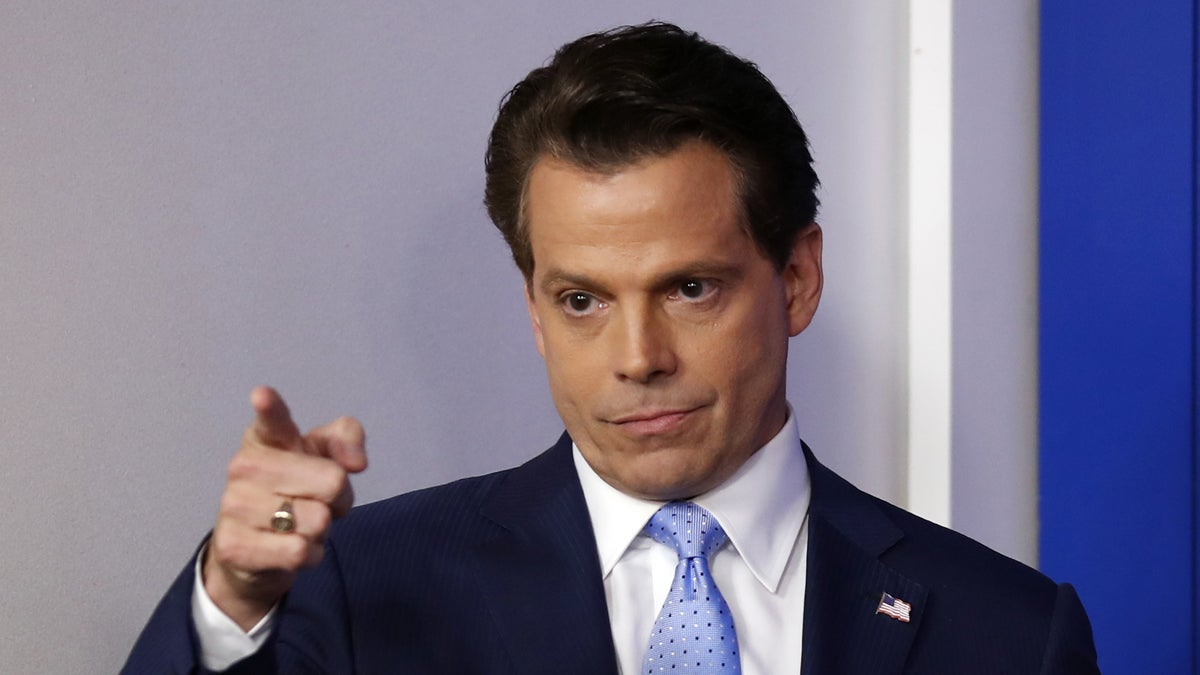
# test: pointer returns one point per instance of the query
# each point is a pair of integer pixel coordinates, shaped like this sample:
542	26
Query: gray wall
995	282
199	197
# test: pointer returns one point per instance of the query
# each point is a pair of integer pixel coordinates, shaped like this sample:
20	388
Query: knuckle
321	520
228	551
242	466
332	480
294	552
230	504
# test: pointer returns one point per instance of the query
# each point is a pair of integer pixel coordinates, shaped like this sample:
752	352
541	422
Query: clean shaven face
663	327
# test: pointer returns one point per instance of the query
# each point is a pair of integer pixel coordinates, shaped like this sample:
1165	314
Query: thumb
342	440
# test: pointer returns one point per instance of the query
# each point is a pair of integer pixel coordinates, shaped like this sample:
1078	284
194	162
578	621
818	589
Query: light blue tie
694	631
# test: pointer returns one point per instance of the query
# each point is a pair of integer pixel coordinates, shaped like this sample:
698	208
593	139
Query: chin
659	469
669	483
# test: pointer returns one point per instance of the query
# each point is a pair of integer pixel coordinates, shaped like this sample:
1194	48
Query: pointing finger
273	423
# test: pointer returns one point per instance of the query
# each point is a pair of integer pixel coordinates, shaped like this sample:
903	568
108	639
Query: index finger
272	423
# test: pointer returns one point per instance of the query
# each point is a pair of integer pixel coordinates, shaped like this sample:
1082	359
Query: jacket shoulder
922	550
982	611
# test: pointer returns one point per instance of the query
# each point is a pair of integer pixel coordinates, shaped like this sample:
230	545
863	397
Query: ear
803	278
534	321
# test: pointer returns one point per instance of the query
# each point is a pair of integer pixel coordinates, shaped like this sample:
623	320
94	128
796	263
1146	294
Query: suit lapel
541	576
846	580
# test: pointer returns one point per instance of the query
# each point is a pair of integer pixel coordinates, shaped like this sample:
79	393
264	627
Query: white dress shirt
763	508
223	642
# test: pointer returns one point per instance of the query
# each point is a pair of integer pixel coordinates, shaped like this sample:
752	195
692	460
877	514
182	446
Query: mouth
652	422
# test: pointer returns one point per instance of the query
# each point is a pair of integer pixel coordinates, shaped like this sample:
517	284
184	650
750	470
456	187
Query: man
658	196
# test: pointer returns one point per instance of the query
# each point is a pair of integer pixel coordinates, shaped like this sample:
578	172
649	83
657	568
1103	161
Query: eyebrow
556	277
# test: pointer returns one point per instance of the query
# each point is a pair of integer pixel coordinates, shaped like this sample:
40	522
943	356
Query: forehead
676	209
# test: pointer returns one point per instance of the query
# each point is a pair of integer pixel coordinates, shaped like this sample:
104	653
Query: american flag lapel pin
894	607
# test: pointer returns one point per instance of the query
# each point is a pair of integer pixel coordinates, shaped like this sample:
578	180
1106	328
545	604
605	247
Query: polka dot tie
694	631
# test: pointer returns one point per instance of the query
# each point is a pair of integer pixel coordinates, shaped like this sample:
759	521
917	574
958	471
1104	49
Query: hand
249	566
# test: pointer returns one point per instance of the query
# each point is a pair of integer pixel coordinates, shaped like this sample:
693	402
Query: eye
695	289
578	303
692	289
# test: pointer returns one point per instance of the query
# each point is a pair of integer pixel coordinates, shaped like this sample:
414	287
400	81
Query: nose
642	346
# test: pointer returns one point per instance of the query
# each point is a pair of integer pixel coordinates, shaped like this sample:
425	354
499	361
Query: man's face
663	327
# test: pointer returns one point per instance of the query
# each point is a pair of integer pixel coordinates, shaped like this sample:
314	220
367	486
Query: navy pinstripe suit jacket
499	574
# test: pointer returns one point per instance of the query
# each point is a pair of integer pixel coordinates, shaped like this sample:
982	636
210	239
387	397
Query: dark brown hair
610	99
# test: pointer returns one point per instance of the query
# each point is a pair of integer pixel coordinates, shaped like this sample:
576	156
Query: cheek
571	374
749	366
754	333
758	362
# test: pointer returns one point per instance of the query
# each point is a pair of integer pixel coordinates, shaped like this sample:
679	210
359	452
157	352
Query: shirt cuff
223	642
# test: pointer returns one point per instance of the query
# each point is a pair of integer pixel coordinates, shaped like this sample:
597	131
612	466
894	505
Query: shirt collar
761	507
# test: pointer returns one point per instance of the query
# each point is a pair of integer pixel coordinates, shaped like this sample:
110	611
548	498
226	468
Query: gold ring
284	519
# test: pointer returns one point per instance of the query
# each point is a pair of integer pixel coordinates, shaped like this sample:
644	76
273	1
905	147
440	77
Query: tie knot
691	530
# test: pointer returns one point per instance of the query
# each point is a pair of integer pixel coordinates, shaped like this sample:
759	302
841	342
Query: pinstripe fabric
973	610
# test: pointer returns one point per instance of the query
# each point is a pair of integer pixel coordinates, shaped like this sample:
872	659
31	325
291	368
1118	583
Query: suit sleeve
1070	649
168	643
311	633
312	628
